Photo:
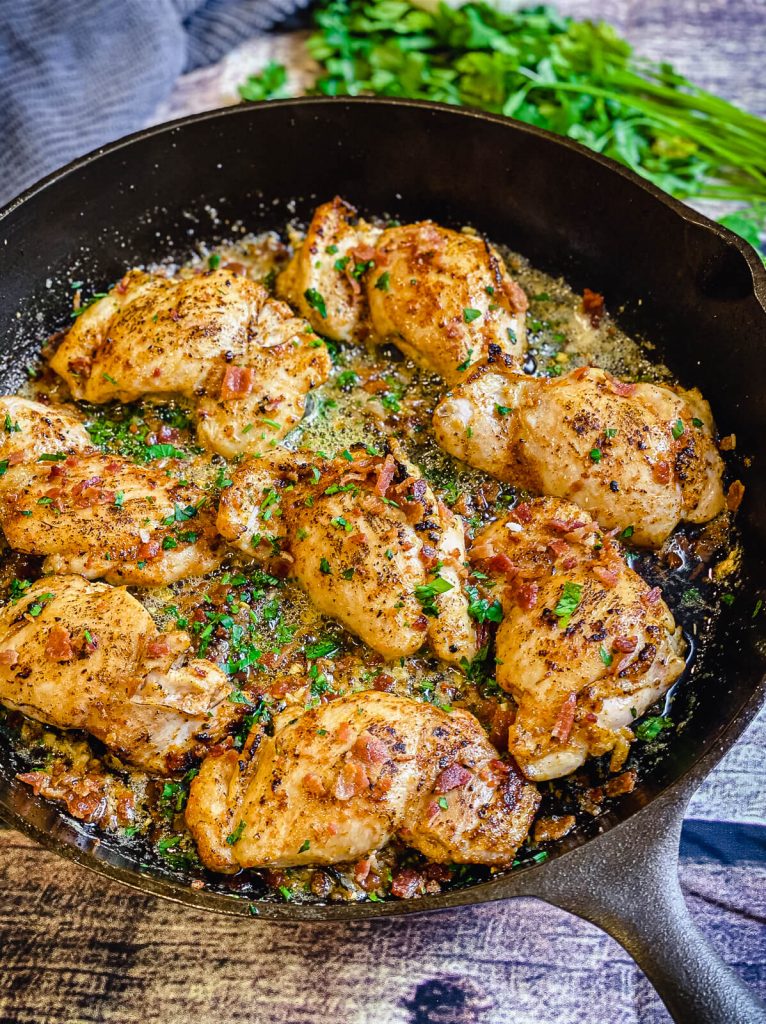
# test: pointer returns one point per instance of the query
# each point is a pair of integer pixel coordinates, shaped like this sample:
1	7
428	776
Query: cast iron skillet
688	284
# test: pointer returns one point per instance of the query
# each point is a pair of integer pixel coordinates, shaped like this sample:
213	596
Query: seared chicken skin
213	337
448	300
367	540
80	655
585	645
322	280
95	514
441	296
638	457
343	779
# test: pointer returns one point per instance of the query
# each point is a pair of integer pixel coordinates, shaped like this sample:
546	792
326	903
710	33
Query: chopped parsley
315	299
482	609
383	282
427	593
677	429
568	603
236	835
469	315
651	727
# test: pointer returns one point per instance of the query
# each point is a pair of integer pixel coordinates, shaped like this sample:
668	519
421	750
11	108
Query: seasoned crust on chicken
448	299
214	337
320	280
95	514
367	540
585	645
80	655
633	455
343	779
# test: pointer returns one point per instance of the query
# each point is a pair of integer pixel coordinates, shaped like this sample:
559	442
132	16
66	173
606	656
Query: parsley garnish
316	300
427	593
568	603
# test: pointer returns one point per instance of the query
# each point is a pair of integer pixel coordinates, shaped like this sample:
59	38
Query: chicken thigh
446	299
96	514
343	779
322	280
80	655
639	457
368	541
214	337
585	645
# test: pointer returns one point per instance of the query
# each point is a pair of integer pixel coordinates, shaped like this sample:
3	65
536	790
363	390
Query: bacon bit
526	595
622	784
734	495
381	787
559	548
238	381
593	306
556	827
8	657
429	556
384	683
148	551
58	646
197	884
362	870
432	811
651	596
89	646
352	780
728	443
364	253
565	525
501	563
569	563
175	316
370	749
344	732
562	727
235	268
112	467
84	795
452	777
122	284
625	644
606	576
16	457
385	476
437	872
407	883
661	471
420	624
166	433
621	387
517	297
158	648
523	513
313	784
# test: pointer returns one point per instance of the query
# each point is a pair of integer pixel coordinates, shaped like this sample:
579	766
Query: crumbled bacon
150	549
84	795
385	476
8	656
429	556
622	784
562	727
501	563
728	443
158	648
452	777
351	780
384	682
517	297
651	596
526	595
593	306
734	495
523	513
621	387
625	644
558	548
555	827
420	624
344	732
58	646
370	749
407	883
362	870
606	576
313	784
238	381
565	525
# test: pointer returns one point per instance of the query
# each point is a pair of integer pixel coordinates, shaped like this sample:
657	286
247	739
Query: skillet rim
676	791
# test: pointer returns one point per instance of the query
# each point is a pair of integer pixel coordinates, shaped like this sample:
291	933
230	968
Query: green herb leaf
568	603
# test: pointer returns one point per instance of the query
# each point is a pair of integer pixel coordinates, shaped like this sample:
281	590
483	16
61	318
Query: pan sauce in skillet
280	652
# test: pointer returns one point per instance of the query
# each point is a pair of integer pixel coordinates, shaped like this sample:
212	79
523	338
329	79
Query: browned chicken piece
95	514
585	645
341	780
80	655
445	298
214	337
323	279
639	457
366	539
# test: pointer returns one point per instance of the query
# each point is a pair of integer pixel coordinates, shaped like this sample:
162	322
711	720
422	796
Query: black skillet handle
627	884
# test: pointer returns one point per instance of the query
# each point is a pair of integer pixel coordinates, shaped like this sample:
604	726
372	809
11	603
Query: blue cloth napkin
75	74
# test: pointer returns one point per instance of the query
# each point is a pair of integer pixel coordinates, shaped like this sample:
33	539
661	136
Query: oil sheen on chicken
214	337
341	780
96	514
638	457
80	655
367	540
585	645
